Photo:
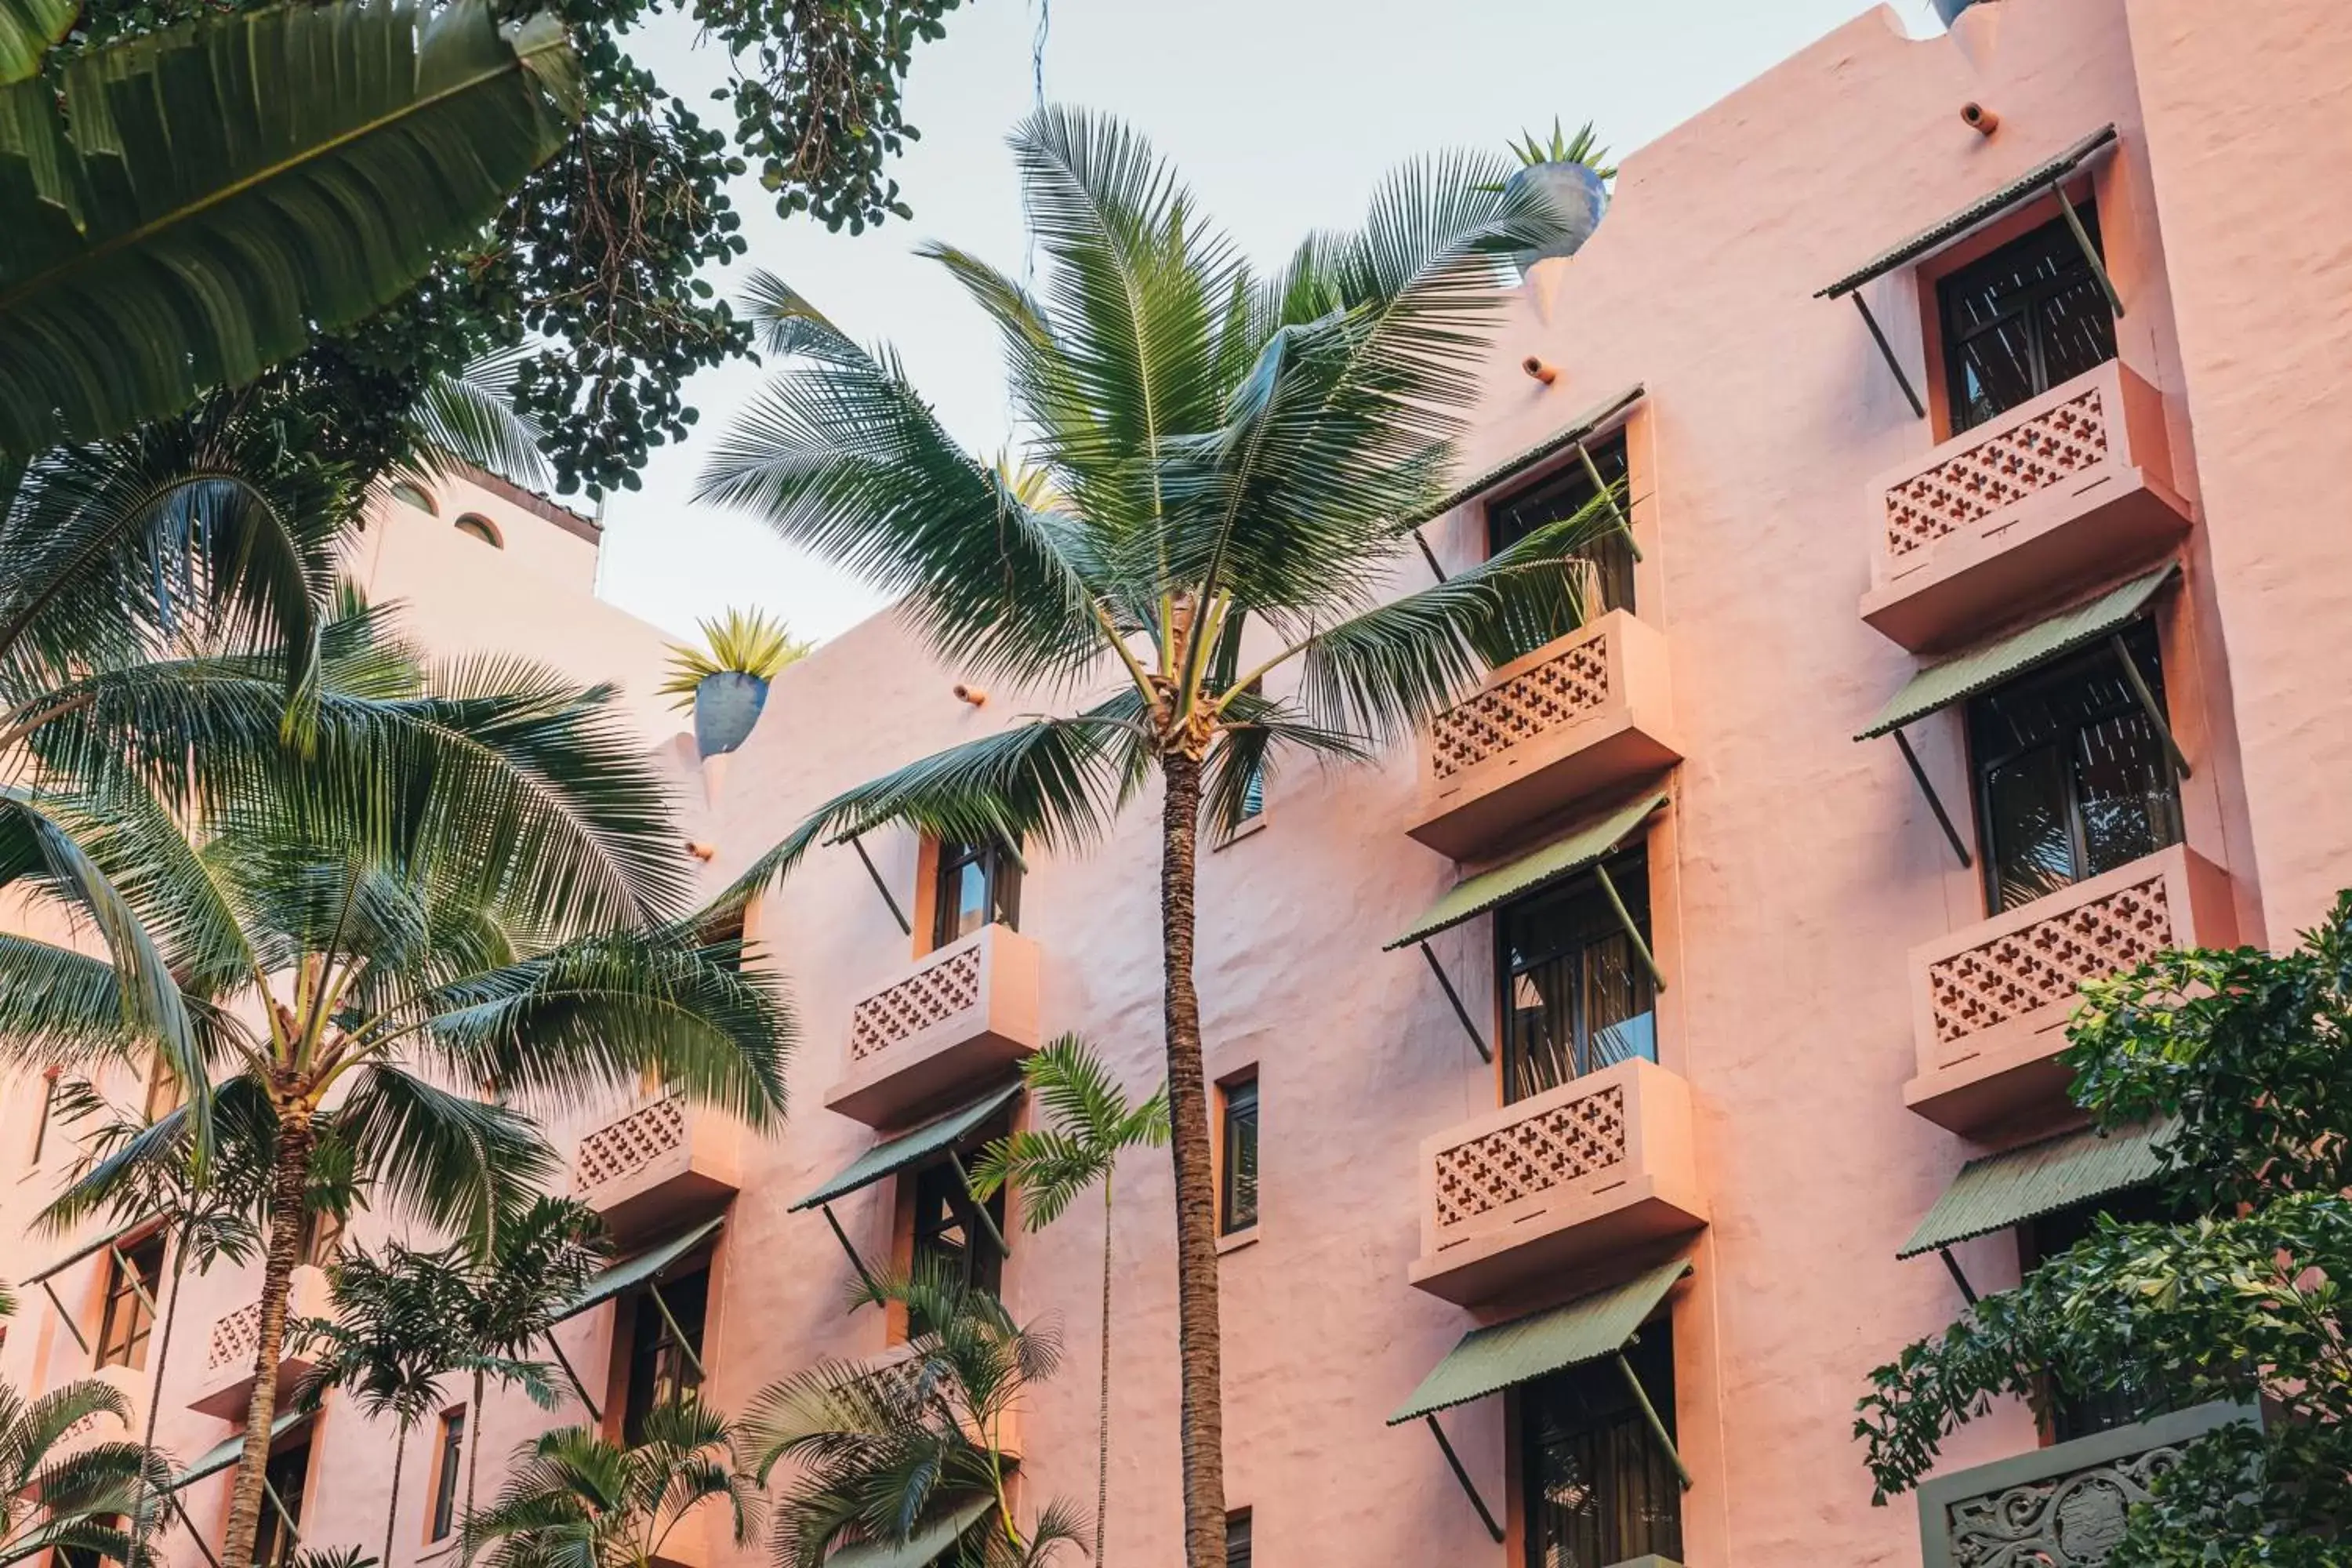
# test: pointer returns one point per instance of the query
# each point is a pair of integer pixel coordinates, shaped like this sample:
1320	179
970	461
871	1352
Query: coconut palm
468	877
1090	1125
1236	465
77	1501
577	1499
915	1445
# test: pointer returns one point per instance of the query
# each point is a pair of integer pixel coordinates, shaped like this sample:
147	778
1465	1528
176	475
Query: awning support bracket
677	1333
987	1220
1650	1416
1935	801
1469	1487
293	1530
1454	996
65	1317
1633	932
1952	1265
1429	555
578	1387
193	1533
131	1278
843	1236
2082	239
880	886
2147	702
1608	493
1887	350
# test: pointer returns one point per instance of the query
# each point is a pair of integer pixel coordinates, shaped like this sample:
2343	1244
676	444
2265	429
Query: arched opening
407	494
483	529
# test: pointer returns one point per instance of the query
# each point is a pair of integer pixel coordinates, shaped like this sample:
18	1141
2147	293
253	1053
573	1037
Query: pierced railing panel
929	996
1529	1156
1571	686
2024	971
235	1340
622	1148
2000	471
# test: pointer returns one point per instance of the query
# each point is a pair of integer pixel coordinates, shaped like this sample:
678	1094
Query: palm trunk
473	1454
1102	1413
155	1396
392	1514
1203	1407
289	1181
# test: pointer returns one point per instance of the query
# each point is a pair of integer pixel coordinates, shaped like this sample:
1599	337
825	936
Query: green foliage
264	183
76	1500
1092	1123
2247	1057
1584	148
885	1452
749	642
575	1499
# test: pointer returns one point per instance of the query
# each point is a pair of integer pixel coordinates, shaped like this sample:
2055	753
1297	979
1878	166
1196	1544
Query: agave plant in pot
1571	173
725	682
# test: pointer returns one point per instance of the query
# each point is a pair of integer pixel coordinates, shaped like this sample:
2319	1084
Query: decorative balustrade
940	1029
1579	716
2074	486
2060	1507
1603	1162
654	1163
233	1345
1990	1002
235	1340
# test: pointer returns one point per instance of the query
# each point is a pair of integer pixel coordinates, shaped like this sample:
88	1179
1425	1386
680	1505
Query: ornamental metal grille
1531	1155
2070	1520
1564	690
2028	969
235	1340
2002	470
622	1148
928	996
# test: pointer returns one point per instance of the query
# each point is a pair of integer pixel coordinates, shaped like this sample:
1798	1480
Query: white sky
1281	114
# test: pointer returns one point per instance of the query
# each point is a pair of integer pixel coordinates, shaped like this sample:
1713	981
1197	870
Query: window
123	1328
1238	1188
978	885
1579	994
1254	794
41	1117
449	1451
1552	499
950	1240
2021	320
1237	1539
322	1238
2099	1410
163	1091
661	1369
483	529
2072	777
87	1556
1599	1487
408	494
275	1535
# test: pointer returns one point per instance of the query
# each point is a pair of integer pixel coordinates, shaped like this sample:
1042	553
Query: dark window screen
127	1324
1237	1540
288	1472
2072	777
2079	1414
979	884
1600	1491
445	1476
659	1369
1553	499
1577	996
1239	1201
2021	320
950	1240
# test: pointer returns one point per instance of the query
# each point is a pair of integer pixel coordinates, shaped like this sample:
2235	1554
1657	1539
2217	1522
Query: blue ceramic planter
1950	9
1578	193
726	705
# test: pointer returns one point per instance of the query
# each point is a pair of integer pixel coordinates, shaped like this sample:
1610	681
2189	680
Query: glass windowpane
2022	319
1240	1203
1578	997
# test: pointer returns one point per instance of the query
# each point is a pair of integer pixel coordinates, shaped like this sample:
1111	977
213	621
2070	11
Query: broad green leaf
194	205
27	29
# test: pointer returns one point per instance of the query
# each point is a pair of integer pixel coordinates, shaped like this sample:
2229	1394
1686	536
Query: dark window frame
1238	1537
1629	871
942	1207
1000	873
2044	1236
1561	493
1238	1108
125	1325
656	1370
2145	647
1590	1405
2051	242
288	1474
450	1451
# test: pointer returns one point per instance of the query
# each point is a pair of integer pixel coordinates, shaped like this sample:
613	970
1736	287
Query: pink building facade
1639	1013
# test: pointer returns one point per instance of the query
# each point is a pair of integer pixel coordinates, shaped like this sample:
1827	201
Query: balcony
1990	1002
2065	1504
1601	1163
1579	716
958	1018
2074	486
235	1340
659	1162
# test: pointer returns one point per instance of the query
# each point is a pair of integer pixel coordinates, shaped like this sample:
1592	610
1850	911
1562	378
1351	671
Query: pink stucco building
1981	395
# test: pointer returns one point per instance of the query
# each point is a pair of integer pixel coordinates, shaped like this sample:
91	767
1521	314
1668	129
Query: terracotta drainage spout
1540	371
1980	119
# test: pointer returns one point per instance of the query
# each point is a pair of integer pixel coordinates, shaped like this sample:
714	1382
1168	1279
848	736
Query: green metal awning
1504	1355
887	1159
1972	670
223	1454
71	1258
2031	182
2003	1190
635	1271
920	1550
1512	467
1563	858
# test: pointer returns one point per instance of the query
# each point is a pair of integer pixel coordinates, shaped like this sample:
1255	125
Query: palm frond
457	1164
469	414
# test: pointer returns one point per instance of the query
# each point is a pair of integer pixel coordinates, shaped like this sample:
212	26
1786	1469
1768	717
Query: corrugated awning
1966	673
1504	1355
1563	858
2002	1190
223	1454
71	1258
918	1551
1934	237
887	1159
634	1271
1512	467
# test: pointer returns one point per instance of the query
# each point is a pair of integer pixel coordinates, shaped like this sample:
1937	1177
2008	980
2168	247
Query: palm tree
469	877
914	1447
75	1501
284	194
577	1499
1238	463
1092	1125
